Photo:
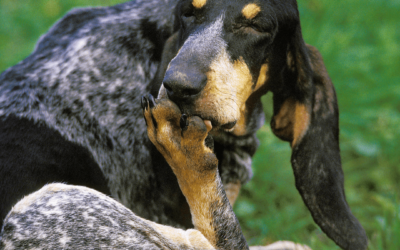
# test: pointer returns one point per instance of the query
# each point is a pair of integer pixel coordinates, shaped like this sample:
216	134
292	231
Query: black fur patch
32	155
156	36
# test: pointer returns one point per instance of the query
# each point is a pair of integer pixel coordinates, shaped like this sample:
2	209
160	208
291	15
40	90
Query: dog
60	216
70	112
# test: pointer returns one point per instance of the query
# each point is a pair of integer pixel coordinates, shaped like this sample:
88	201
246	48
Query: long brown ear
306	115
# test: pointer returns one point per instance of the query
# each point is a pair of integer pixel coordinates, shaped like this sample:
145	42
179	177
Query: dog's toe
152	102
144	102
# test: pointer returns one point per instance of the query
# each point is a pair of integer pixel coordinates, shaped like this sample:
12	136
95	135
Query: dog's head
224	48
226	54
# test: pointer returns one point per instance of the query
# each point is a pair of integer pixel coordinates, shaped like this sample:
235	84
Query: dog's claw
144	102
184	123
152	102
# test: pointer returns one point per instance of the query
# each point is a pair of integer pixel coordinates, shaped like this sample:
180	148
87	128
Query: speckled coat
70	112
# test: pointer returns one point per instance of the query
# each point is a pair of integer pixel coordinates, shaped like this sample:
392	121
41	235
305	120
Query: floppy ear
306	115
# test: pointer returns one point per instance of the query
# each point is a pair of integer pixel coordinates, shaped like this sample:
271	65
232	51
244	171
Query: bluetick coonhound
70	111
60	216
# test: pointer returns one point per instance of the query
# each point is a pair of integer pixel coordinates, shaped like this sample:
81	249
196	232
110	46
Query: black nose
183	84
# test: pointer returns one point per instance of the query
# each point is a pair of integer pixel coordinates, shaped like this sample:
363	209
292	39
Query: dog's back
70	112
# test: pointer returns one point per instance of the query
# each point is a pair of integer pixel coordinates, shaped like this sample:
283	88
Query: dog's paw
179	138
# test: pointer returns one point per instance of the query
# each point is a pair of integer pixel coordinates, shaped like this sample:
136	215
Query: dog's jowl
70	112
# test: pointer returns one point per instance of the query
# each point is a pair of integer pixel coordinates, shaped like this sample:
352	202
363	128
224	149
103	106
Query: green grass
360	43
23	21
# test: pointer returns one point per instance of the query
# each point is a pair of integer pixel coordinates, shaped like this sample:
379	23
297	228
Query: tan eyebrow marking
251	10
199	3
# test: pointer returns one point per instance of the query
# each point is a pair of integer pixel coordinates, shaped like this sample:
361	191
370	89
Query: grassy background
359	40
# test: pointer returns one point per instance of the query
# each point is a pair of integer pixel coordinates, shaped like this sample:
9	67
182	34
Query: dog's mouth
206	115
191	111
227	127
214	123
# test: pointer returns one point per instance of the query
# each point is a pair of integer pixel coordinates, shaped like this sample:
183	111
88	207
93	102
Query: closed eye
252	30
257	27
254	26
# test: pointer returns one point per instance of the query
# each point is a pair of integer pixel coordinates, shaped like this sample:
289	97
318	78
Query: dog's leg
181	140
60	216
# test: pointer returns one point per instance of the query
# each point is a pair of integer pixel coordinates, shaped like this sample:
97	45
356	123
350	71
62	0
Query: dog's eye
256	28
251	29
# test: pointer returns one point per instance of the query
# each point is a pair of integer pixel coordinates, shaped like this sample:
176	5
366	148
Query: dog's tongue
208	125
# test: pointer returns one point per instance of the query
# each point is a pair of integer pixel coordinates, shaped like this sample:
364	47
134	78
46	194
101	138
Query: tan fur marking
198	4
197	239
232	191
244	87
243	82
292	121
291	62
284	119
200	193
197	174
251	10
302	121
228	87
240	127
263	77
190	238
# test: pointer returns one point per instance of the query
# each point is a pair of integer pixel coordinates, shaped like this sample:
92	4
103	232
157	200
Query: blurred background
360	43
